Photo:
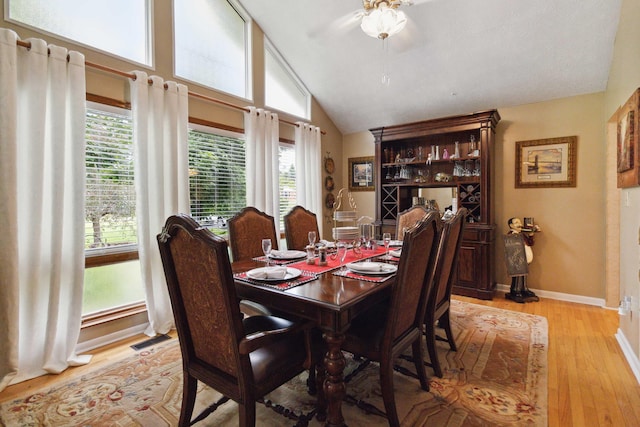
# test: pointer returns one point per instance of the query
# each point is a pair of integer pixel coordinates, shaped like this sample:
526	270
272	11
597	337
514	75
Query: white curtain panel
308	173
161	161
42	190
262	132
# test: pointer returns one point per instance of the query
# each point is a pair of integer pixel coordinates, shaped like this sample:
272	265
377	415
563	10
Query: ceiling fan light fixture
383	21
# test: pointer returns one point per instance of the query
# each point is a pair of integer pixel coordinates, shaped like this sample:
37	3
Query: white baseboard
632	359
89	345
600	302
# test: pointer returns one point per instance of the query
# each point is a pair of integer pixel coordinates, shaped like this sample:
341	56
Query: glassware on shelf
474	151
458	169
468	167
456	151
437	155
396	177
405	172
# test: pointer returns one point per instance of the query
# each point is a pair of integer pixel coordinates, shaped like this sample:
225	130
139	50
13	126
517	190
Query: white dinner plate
258	274
372	268
287	254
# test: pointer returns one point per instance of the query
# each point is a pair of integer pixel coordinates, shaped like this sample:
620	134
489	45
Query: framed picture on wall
361	174
545	163
627	155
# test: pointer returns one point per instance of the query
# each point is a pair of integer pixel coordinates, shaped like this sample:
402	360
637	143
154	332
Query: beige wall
569	253
359	145
624	205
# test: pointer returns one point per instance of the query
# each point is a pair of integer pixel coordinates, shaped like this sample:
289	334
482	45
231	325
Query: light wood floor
590	382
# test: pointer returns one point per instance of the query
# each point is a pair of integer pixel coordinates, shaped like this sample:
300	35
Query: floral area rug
498	376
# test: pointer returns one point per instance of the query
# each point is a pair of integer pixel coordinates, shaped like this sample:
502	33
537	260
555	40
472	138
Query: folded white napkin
269	273
365	266
278	254
396	253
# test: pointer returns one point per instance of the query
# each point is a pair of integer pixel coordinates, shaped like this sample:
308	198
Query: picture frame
626	121
546	163
361	172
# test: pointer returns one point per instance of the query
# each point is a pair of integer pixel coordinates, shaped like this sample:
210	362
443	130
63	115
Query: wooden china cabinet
435	162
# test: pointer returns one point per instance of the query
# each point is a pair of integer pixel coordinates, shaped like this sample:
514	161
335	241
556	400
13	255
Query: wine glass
386	239
266	248
312	238
366	234
341	252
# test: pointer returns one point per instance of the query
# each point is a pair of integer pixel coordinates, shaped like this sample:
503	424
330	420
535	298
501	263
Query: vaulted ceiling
453	57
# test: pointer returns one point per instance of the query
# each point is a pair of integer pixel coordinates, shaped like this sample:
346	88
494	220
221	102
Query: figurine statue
519	290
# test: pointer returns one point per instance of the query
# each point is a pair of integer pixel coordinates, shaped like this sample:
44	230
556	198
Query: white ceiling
454	56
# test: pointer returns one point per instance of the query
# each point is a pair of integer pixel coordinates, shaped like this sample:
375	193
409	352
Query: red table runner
335	263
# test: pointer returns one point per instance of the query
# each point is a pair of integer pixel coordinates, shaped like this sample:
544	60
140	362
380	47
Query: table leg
334	388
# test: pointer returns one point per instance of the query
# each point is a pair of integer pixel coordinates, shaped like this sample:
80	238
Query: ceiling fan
382	19
377	18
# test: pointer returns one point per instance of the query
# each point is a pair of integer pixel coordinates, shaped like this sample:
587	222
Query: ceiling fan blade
338	26
413	2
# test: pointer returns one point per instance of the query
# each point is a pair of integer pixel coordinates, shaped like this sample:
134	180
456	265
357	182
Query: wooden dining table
331	302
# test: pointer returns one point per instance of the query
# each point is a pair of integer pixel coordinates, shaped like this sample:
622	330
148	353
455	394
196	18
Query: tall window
119	27
283	90
110	212
212	45
217	180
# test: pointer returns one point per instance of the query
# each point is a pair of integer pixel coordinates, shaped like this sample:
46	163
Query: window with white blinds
287	179
110	283
217	179
110	212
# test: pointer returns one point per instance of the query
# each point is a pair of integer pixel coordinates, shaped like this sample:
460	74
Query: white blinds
217	179
110	203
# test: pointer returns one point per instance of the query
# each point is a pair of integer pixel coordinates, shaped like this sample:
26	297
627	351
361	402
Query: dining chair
438	306
246	229
408	218
297	225
243	359
383	332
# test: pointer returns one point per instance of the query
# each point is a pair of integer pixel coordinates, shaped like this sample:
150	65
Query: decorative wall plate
329	200
329	165
329	185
